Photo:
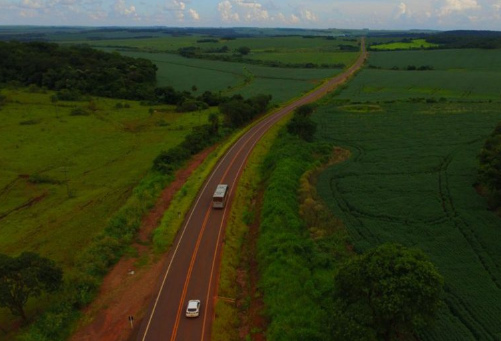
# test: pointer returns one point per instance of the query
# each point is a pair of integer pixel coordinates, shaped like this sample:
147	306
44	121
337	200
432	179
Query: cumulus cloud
455	6
402	11
295	19
181	11
308	15
194	14
33	4
121	8
248	10
225	9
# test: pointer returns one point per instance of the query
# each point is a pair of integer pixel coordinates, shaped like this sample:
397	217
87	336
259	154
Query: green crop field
414	44
467	60
103	156
170	43
384	85
232	78
411	180
346	58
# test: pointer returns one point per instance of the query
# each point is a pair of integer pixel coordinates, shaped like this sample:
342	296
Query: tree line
79	69
467	39
489	174
236	112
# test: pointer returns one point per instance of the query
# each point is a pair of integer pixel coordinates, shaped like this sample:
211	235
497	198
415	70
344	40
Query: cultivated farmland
411	180
467	60
233	78
404	45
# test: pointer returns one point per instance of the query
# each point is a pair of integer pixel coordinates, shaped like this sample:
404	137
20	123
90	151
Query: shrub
30	122
43	179
69	95
191	105
79	112
167	162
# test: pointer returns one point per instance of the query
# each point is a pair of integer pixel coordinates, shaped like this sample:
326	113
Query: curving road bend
193	261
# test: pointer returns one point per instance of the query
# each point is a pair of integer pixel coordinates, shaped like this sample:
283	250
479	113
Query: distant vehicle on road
193	309
219	198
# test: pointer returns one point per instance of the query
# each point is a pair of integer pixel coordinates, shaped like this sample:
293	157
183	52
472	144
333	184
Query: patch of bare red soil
127	291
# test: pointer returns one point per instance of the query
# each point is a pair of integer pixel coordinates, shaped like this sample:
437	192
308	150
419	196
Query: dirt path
127	289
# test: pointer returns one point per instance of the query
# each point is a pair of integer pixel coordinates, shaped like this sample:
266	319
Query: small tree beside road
24	277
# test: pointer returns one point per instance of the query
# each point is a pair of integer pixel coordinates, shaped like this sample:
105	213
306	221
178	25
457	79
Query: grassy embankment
65	177
299	246
412	175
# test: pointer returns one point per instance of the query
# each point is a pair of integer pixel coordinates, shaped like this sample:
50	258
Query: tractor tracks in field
349	211
467	231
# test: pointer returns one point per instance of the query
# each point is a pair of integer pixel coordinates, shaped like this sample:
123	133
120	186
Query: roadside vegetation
303	252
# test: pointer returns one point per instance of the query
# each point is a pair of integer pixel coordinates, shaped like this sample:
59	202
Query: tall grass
297	263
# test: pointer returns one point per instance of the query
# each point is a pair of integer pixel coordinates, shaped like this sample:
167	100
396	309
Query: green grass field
232	78
411	180
103	156
468	60
414	44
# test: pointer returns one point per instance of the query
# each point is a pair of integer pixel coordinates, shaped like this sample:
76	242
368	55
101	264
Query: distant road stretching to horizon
193	261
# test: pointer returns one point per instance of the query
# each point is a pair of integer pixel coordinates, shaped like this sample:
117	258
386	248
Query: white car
193	309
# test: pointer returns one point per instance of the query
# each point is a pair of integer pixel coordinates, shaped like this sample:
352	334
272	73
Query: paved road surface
193	261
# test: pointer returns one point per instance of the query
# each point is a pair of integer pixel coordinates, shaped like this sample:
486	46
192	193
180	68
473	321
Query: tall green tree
386	294
490	166
26	276
244	50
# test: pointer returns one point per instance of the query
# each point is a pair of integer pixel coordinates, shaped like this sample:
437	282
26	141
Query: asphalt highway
193	261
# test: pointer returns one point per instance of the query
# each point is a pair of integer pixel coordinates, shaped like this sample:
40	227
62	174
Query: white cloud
181	11
194	14
455	6
34	4
295	19
225	9
497	5
248	10
402	11
308	15
303	14
121	8
281	17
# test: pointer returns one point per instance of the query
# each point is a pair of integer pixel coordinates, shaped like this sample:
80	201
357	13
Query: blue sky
374	14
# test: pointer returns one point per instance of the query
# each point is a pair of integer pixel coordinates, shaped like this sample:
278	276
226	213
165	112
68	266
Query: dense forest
467	39
81	69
